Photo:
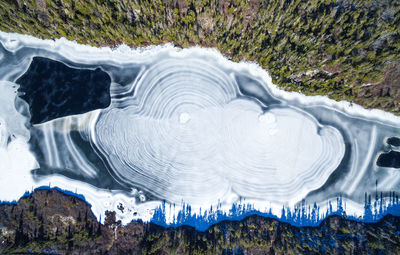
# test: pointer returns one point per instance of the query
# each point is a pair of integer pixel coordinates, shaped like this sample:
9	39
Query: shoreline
334	57
334	234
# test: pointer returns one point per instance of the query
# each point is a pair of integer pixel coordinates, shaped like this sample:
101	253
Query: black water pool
394	141
53	89
390	159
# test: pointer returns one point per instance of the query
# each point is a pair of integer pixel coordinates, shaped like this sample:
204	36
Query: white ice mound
188	134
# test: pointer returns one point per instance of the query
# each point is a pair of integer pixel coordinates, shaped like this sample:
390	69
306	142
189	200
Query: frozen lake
136	127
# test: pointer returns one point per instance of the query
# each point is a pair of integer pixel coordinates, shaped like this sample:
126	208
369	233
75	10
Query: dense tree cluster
340	48
49	220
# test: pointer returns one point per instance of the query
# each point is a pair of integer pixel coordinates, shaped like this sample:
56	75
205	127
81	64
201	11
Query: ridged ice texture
189	125
186	135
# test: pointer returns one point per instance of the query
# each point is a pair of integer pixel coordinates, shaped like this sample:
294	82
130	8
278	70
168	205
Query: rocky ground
50	221
345	49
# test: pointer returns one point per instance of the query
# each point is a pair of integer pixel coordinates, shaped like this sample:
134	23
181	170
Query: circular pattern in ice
188	134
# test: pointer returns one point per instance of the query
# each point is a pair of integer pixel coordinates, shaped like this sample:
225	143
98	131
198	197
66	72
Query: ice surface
229	145
188	125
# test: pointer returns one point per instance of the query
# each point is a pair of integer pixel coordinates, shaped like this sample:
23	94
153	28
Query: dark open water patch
394	141
53	89
390	159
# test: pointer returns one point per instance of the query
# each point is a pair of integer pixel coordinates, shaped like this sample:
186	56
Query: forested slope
50	221
346	49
